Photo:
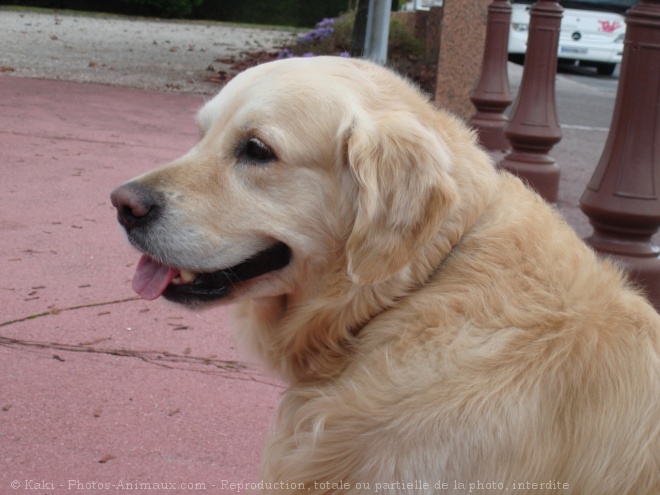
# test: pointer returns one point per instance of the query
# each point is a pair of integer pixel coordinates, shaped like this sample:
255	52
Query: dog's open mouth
153	279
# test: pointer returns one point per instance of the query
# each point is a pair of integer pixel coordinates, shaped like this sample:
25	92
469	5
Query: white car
592	32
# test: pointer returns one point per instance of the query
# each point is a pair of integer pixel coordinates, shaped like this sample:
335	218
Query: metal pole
622	200
533	129
378	31
492	95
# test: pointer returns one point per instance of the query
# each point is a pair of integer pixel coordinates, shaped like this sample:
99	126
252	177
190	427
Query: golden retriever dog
441	329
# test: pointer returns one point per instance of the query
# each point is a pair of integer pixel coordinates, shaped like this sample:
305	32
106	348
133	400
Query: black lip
208	287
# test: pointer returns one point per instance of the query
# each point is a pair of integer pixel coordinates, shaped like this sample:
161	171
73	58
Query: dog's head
301	162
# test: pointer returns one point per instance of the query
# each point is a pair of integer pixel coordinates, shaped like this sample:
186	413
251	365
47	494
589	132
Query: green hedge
302	13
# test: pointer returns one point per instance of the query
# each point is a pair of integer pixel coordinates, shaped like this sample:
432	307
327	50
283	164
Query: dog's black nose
136	205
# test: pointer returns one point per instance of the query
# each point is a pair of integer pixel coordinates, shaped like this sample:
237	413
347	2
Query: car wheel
517	58
605	69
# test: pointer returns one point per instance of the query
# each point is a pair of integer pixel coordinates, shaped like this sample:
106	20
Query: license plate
576	51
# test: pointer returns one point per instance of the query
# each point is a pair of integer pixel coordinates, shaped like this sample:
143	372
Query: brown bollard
492	95
622	199
533	129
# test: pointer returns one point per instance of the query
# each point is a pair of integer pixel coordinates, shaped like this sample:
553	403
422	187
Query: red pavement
94	392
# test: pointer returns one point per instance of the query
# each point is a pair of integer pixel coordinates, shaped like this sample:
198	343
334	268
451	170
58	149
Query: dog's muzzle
138	208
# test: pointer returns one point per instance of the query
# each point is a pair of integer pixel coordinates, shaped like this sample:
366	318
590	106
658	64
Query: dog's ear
404	193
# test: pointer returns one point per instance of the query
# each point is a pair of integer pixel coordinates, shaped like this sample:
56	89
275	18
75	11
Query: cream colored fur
439	323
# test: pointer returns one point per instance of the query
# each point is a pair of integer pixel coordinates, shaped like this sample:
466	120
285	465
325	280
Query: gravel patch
138	53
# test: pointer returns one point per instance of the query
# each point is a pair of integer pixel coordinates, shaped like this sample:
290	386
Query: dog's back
523	364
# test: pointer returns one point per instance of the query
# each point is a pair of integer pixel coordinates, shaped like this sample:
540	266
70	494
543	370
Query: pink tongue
151	278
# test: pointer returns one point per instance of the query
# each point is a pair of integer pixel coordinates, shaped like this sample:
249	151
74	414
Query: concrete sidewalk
97	386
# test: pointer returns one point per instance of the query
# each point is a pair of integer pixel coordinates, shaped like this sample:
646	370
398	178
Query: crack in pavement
144	355
59	310
228	368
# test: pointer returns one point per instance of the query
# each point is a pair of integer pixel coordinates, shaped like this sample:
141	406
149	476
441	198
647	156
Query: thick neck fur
308	337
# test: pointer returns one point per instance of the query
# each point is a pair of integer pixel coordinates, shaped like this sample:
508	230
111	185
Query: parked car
592	32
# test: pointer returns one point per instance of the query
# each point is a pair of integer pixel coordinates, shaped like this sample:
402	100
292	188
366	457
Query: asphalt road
591	101
588	76
584	99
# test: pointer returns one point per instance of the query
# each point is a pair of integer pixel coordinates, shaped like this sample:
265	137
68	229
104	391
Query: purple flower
325	23
321	31
317	34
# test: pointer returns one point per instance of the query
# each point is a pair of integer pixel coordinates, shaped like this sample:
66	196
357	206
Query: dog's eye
257	151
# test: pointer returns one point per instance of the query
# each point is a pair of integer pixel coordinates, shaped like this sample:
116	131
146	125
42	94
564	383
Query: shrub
162	8
333	37
300	13
329	37
402	42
